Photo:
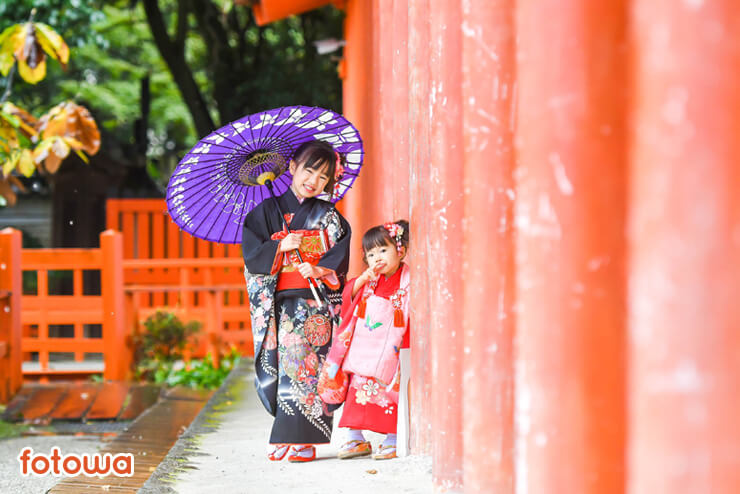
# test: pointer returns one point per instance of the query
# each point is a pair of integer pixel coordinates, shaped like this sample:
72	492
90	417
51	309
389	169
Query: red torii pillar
420	258
570	220
488	68
685	249
444	239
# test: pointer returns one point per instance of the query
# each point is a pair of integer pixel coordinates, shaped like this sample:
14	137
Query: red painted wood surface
77	400
42	401
488	321
109	401
10	314
419	87
443	214
570	219
685	248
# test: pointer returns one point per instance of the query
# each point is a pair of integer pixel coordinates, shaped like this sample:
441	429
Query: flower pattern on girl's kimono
371	388
361	397
292	360
259	320
271	337
345	337
389	410
301	312
290	339
312	363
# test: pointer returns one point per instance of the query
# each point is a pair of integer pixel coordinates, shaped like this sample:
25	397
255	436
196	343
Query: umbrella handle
313	290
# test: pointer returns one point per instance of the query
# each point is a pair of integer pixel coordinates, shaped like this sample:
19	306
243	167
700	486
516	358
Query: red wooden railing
165	267
88	326
151	265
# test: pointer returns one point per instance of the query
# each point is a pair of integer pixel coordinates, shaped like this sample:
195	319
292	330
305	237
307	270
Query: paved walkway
224	452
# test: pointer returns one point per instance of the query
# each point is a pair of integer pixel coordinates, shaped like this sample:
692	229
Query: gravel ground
11	481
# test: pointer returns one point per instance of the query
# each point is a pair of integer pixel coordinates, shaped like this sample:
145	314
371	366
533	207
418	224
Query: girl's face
385	259
308	182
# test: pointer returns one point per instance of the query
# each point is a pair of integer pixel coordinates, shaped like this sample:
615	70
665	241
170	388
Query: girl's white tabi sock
355	435
390	440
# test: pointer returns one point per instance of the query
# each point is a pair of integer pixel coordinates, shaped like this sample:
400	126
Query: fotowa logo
71	465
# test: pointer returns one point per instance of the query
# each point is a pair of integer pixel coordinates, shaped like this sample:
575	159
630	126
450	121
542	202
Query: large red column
685	249
399	95
488	66
359	205
444	238
570	217
420	258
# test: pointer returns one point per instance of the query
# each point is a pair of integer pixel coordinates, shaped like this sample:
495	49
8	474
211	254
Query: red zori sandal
278	452
298	453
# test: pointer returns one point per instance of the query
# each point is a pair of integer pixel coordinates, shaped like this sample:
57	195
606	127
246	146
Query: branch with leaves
28	144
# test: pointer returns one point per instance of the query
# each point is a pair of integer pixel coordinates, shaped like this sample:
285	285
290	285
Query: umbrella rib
215	221
215	203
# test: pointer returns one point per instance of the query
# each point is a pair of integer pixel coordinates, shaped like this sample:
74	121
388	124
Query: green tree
156	75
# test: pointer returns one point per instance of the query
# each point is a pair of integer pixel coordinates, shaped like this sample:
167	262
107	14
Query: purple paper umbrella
216	184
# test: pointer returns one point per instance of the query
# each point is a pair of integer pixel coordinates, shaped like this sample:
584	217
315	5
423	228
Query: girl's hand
291	242
308	270
370	274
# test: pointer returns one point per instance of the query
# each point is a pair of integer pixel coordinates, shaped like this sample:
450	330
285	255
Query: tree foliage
202	63
28	144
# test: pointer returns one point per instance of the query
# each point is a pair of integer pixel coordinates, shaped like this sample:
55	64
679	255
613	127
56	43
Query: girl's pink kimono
377	331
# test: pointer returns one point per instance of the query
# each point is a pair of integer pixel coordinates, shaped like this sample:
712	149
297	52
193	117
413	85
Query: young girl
291	332
368	346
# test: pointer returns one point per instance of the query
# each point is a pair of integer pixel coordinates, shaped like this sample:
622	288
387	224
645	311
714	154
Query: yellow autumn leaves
28	44
28	144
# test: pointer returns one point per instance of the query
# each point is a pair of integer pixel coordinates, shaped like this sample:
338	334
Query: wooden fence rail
82	306
85	323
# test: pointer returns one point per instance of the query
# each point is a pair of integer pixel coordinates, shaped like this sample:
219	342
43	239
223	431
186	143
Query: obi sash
314	244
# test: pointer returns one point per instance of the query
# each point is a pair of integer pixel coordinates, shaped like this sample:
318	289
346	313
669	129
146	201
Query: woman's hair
379	235
314	155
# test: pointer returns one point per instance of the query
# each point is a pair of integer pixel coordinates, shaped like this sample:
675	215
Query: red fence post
11	376
684	316
117	353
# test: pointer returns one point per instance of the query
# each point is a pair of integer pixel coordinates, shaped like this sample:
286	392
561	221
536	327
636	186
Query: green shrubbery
159	355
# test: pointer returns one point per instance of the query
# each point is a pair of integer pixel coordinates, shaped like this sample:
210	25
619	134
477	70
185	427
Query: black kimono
291	333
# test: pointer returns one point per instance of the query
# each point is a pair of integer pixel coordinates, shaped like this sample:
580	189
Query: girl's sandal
278	452
296	457
385	452
354	449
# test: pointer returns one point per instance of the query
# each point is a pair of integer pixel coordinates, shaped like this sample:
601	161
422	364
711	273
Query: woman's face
384	259
308	182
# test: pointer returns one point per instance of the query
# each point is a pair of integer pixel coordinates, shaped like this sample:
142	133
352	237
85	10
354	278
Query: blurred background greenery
157	75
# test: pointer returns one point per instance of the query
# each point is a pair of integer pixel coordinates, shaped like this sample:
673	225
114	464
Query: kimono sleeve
260	253
337	257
